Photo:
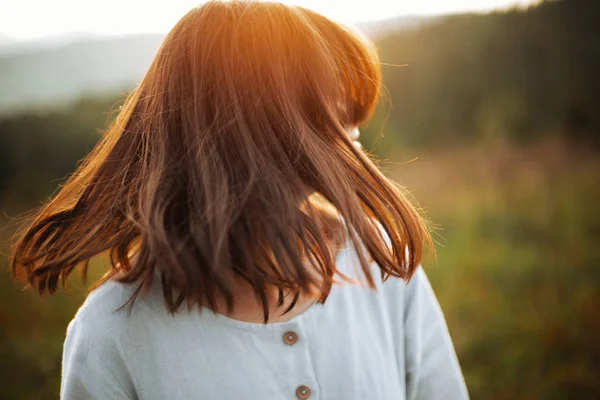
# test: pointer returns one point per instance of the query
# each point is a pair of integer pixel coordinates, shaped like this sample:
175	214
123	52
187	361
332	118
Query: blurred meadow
492	122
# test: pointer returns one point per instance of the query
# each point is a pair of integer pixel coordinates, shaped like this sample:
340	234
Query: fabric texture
392	343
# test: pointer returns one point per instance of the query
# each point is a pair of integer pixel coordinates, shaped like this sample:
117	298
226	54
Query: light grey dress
361	344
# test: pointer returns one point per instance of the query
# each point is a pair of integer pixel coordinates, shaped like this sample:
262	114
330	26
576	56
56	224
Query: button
303	392
290	337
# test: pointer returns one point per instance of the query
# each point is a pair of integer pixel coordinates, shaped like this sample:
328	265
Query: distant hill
5	40
384	27
50	74
58	75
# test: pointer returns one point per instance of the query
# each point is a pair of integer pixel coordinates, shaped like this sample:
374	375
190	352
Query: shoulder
397	295
96	347
104	329
105	319
106	302
347	261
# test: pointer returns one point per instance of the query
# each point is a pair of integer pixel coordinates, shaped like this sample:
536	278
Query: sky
39	19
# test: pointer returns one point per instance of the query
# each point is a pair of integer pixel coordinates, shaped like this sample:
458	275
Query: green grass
517	274
518	267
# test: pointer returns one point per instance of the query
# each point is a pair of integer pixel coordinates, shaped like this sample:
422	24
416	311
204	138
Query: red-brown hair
207	172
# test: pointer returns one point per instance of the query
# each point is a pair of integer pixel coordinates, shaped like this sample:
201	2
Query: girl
250	240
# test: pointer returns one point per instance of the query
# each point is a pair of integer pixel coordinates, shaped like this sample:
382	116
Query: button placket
302	376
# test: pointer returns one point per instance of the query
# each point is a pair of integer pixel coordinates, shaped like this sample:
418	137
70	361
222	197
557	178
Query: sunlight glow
34	19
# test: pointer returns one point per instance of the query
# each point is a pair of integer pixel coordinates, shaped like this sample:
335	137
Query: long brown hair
207	172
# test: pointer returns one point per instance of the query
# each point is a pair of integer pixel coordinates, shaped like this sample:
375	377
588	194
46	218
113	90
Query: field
518	268
517	274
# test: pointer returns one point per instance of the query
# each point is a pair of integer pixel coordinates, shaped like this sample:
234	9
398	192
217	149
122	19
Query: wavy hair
209	171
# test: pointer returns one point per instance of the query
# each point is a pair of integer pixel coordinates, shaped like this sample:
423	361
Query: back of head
222	159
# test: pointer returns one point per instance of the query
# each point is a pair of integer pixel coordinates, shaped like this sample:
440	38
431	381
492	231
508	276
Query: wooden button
303	392
290	337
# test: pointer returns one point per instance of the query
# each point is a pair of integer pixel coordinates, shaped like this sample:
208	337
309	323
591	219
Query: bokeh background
492	121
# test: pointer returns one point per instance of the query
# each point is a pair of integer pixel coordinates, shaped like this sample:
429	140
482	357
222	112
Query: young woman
250	239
